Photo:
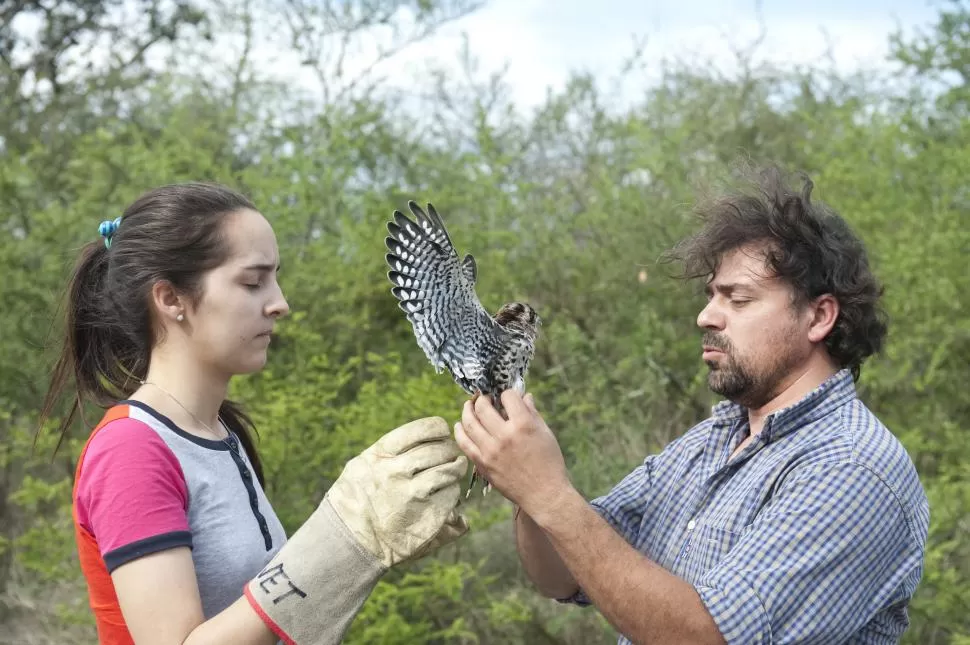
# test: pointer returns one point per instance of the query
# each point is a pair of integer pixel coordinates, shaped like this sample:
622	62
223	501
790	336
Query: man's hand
520	457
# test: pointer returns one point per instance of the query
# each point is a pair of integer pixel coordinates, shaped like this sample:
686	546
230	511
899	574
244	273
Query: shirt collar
831	394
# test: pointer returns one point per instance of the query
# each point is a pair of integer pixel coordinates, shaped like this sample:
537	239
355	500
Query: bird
485	354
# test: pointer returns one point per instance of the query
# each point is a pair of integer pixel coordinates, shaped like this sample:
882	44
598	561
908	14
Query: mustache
717	342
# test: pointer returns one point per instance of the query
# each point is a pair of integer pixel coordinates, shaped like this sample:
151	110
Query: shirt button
245	474
691	525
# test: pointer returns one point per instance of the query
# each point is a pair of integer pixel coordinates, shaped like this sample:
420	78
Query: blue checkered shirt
814	533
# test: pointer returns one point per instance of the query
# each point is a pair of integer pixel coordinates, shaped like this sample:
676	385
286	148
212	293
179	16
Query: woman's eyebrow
262	267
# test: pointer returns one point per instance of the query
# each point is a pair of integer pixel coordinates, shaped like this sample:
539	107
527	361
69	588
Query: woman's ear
167	303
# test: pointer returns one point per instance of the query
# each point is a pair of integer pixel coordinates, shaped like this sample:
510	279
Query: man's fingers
530	403
466	444
486	412
474	428
514	406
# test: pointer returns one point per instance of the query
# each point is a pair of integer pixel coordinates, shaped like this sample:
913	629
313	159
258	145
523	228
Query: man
791	514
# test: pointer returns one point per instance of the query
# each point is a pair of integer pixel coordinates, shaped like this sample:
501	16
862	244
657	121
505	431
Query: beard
742	380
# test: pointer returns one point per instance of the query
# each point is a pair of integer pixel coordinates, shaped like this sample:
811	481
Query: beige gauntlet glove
394	502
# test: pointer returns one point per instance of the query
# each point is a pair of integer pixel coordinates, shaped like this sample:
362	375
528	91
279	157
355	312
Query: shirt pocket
703	549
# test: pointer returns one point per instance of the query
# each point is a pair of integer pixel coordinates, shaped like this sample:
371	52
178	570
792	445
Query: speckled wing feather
436	290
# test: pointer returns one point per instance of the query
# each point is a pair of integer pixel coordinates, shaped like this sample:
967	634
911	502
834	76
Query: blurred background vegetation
567	205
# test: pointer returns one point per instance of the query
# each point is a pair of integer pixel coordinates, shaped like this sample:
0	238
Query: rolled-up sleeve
830	550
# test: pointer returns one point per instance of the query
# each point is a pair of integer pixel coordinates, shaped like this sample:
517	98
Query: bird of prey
485	354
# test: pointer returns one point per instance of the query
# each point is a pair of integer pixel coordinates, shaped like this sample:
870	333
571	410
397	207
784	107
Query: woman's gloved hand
409	482
395	501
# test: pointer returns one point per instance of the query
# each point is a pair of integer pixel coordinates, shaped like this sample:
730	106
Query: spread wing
436	290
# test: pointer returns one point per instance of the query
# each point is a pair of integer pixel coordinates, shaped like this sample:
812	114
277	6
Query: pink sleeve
131	493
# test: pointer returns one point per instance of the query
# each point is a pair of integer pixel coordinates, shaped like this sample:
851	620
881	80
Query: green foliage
418	607
568	208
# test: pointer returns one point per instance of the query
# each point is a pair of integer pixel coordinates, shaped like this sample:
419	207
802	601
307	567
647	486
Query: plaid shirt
814	533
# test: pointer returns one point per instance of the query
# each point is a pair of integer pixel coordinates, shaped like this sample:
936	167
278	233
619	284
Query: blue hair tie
107	229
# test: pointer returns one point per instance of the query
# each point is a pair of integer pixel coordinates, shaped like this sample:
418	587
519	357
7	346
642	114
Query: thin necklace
226	440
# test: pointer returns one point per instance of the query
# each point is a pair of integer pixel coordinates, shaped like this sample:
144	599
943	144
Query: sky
541	41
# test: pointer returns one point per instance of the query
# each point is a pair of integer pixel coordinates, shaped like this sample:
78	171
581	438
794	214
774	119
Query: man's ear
824	311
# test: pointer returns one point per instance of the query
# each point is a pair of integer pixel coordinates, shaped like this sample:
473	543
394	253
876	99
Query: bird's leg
474	477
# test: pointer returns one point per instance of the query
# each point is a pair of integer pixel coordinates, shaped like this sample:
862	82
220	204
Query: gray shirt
139	495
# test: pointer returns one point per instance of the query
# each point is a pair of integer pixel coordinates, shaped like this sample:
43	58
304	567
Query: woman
176	538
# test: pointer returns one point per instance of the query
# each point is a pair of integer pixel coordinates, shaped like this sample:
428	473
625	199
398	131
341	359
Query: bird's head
519	317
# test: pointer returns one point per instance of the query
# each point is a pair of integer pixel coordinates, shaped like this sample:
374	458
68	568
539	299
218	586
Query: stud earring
180	318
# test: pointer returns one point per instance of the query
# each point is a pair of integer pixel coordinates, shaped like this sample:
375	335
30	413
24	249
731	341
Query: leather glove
407	481
396	501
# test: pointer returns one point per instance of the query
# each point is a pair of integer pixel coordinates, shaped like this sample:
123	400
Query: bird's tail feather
471	484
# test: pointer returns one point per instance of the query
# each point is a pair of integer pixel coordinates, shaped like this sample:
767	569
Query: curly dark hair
807	244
